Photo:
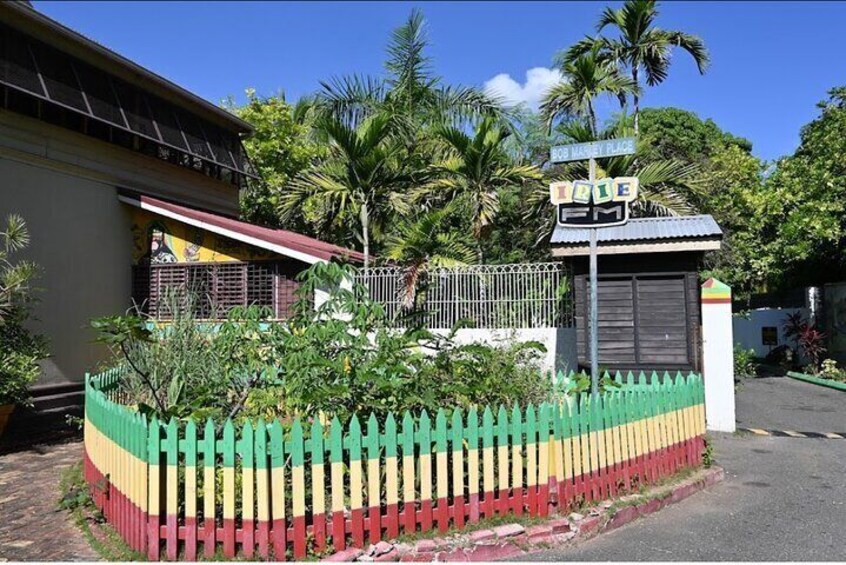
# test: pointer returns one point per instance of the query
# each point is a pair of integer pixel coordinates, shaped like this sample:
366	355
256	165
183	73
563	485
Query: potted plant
20	349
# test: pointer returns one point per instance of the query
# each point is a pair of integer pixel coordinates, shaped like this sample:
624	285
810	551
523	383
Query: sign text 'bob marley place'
602	203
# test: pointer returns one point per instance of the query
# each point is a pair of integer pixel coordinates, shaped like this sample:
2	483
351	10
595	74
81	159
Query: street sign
593	204
592	150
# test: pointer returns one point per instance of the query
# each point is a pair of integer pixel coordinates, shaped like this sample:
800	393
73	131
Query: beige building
106	161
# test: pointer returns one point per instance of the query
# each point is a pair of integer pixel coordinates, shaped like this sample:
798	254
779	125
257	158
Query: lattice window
260	283
213	289
230	287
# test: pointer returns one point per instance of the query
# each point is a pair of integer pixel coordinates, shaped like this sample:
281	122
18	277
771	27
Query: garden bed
303	487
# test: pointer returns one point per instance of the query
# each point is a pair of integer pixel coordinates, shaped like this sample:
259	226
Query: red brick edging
511	540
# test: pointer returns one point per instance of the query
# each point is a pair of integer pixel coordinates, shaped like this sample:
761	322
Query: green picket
356	485
262	489
172	487
424	437
441	471
297	451
277	491
458	463
191	489
228	446
318	483
502	466
374	489
407	441
389	440
517	469
531	430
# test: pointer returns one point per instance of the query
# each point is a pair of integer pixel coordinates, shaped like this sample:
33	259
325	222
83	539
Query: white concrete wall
747	328
560	343
81	239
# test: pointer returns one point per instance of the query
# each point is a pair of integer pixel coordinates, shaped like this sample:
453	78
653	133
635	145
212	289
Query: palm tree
362	178
585	78
474	170
410	91
641	45
429	241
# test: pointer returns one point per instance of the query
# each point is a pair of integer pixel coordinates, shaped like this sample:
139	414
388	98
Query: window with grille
211	290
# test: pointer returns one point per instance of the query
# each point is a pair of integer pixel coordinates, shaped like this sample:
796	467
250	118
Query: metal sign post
594	300
606	204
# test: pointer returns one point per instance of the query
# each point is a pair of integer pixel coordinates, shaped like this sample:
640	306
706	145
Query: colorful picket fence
175	489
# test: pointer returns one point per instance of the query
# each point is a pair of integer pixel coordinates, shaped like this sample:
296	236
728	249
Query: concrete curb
512	540
817	381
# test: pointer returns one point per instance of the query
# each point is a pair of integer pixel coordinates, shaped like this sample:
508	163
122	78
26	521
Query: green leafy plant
338	357
20	349
744	362
830	370
708	453
187	368
579	383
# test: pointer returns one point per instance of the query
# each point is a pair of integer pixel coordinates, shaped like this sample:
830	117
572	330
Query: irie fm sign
600	203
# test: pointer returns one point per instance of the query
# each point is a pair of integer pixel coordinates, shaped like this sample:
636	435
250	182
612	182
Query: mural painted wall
164	240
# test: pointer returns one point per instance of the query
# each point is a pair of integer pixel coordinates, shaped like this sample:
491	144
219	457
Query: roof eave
310	256
701	244
50	31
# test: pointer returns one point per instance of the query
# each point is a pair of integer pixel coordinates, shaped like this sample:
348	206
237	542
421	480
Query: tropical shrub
339	357
744	362
830	370
809	340
20	349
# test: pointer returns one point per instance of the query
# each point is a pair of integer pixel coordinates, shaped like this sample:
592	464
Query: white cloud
538	81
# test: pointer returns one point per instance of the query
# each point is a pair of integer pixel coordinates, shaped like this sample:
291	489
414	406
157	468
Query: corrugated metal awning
644	229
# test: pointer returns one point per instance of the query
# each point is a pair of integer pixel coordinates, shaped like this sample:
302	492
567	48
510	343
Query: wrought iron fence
522	295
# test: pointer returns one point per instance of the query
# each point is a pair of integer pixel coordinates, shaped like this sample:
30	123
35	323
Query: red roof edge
284	242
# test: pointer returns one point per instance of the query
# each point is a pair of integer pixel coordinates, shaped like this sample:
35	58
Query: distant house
129	184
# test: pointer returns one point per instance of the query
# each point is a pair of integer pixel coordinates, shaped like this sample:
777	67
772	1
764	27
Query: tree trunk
365	236
635	100
592	113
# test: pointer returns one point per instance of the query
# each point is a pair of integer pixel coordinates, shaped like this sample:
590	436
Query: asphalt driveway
783	498
782	403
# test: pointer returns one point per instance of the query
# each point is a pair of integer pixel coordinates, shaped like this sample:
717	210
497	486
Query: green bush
340	358
20	349
830	370
744	362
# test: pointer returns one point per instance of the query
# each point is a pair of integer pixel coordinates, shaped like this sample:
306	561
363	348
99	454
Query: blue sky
772	62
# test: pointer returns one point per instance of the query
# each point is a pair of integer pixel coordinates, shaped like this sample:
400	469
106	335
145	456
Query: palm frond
407	64
458	105
694	46
16	235
610	17
351	98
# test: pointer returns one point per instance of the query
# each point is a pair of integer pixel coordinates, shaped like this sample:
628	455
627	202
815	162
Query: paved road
782	403
783	498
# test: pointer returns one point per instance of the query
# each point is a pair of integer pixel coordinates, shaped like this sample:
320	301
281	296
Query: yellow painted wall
187	244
